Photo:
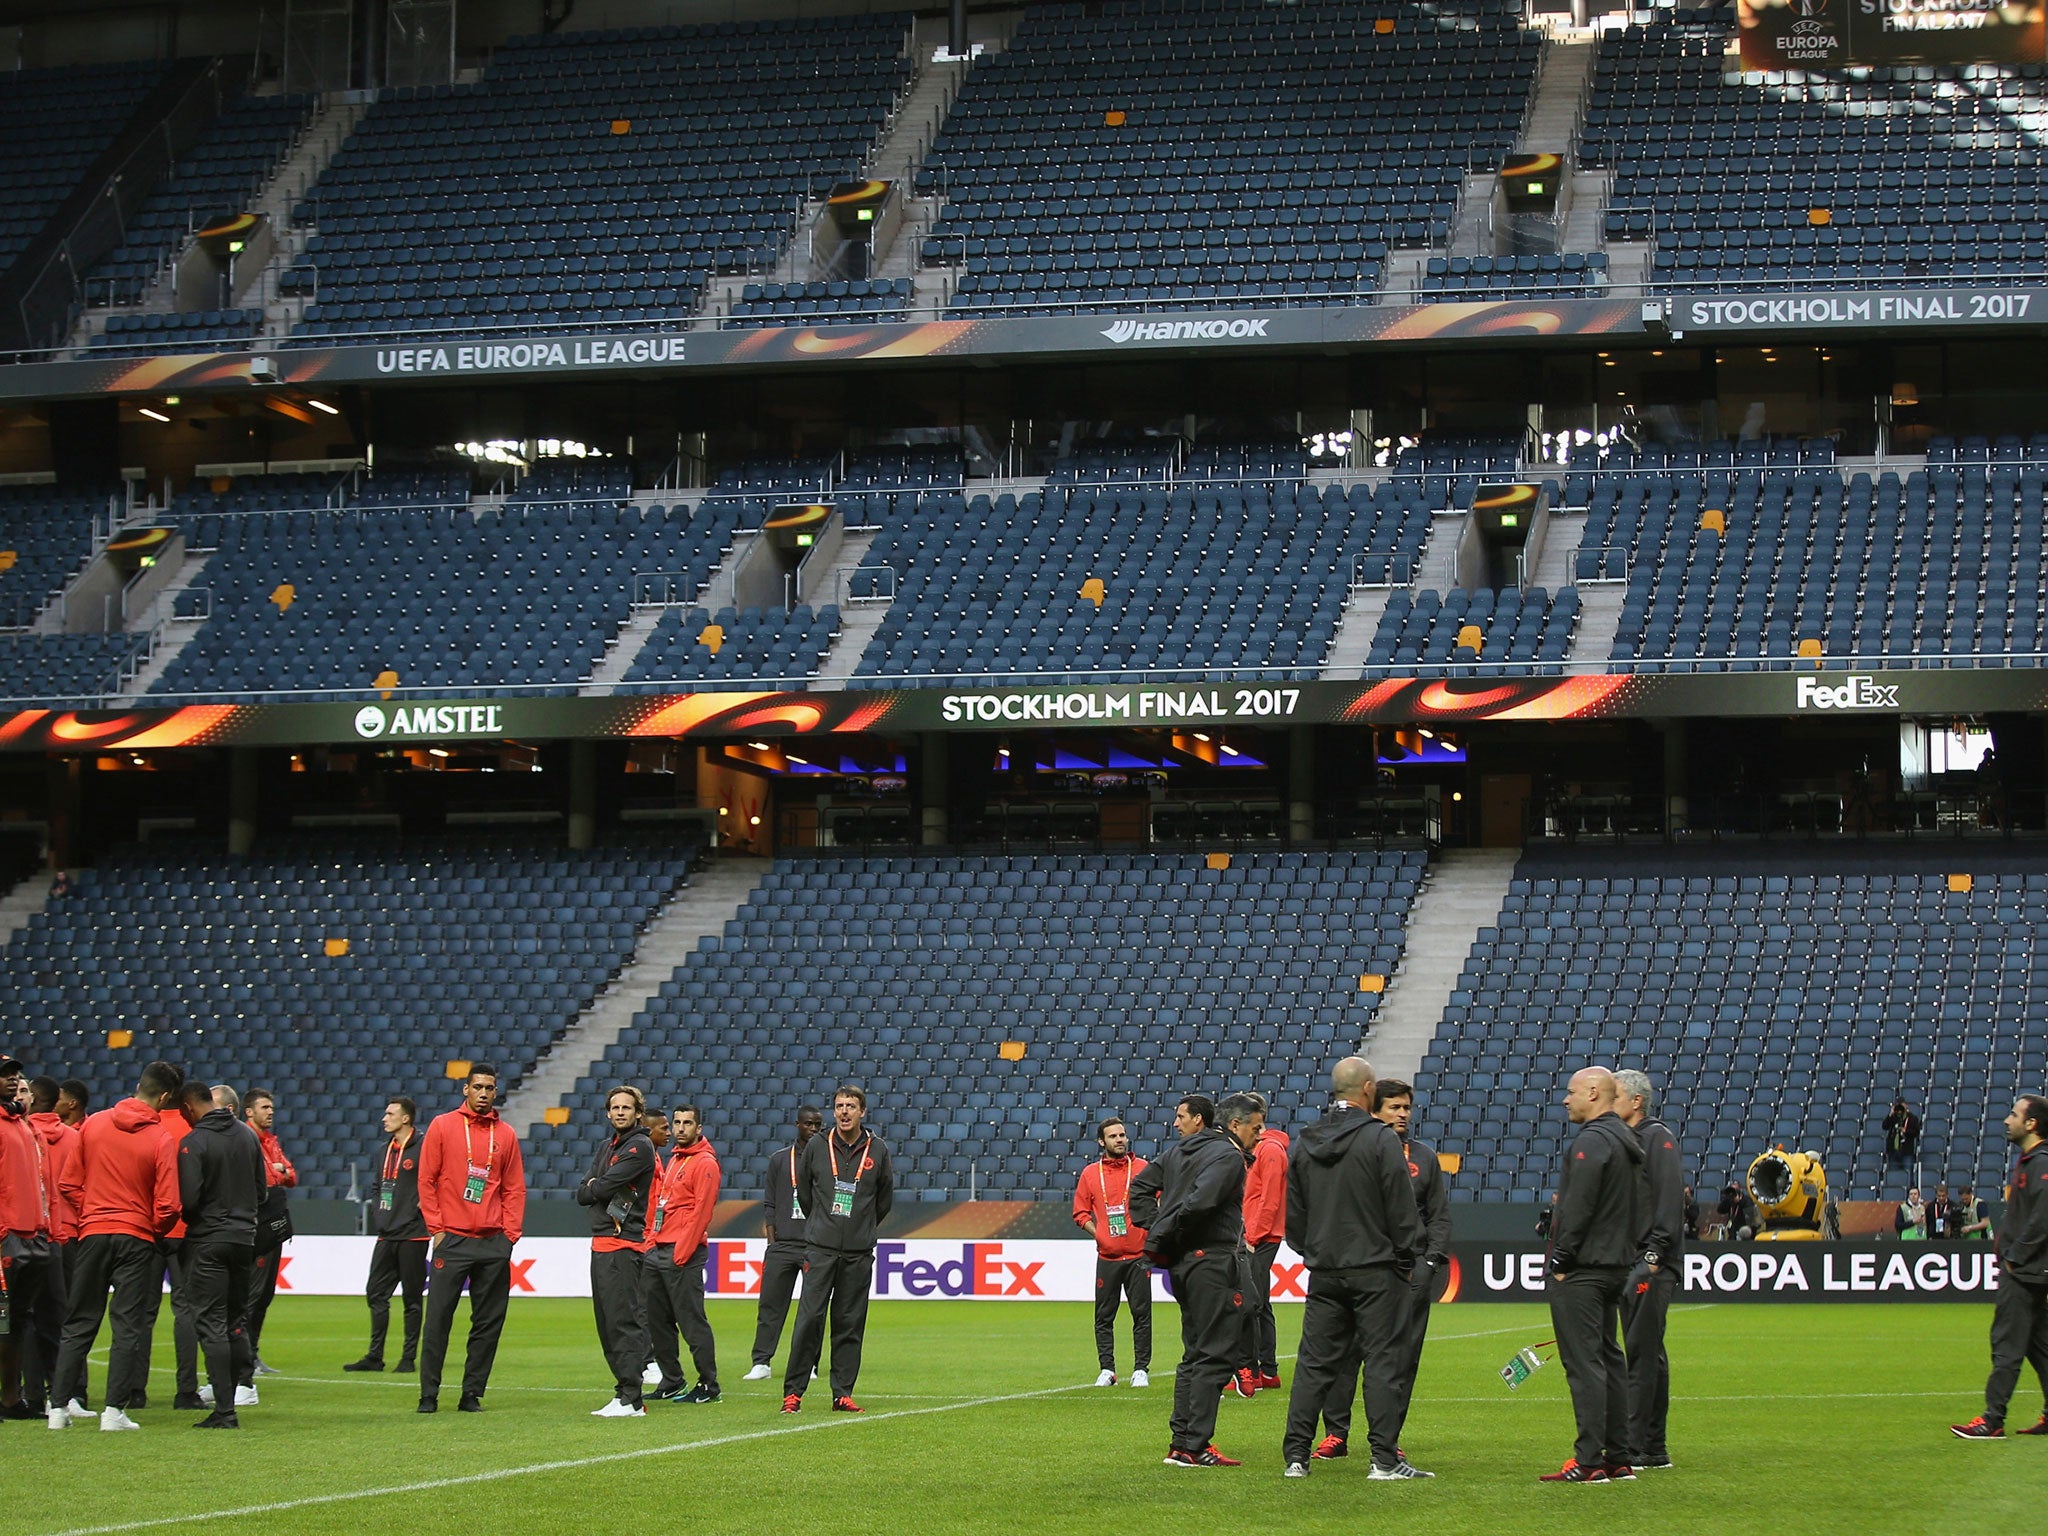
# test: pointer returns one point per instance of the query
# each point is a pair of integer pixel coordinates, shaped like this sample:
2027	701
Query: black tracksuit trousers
184	1335
216	1283
486	1263
1353	1319
620	1302
1585	1313
1649	1369
780	1266
1207	1284
1410	1337
45	1336
838	1282
1123	1280
397	1264
262	1292
2019	1333
134	1270
1260	1341
675	1305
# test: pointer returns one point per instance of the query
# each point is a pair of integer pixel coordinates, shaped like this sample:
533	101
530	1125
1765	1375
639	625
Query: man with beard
1102	1209
684	1198
616	1190
1646	1302
2019	1322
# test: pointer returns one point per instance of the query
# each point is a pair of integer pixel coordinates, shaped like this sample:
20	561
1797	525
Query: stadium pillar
933	789
242	799
1673	732
65	811
582	794
1301	784
956	29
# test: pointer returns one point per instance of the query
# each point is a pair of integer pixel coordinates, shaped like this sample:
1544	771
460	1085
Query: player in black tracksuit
616	1189
1190	1204
2019	1323
1595	1238
1395	1101
787	1231
847	1186
221	1185
399	1261
1646	1300
1352	1216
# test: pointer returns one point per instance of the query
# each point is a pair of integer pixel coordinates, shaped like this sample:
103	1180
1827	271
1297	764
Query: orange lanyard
1102	1182
392	1156
469	1149
832	1151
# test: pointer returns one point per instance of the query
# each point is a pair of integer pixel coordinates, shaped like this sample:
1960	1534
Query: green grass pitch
980	1418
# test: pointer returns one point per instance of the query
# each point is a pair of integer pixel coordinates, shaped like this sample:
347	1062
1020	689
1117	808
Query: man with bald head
1654	1281
1596	1231
1352	1217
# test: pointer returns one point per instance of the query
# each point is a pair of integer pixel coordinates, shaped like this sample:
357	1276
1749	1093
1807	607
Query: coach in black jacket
1596	1234
616	1192
2019	1322
1352	1216
848	1188
399	1259
1646	1300
1190	1204
221	1185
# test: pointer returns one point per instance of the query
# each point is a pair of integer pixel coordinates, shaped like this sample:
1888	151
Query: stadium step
1599	618
858	618
712	898
172	635
1352	643
1559	99
23	903
1461	894
1556	561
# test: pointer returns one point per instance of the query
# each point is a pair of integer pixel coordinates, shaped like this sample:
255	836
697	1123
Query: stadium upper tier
431	597
1123	979
1843	177
1787	1007
216	179
1092	583
53	124
1226	153
336	972
593	177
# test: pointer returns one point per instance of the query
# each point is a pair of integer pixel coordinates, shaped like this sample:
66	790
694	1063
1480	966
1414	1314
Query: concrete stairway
858	619
1352	644
710	901
333	121
172	635
1555	565
1461	894
1599	617
624	650
1552	121
23	903
1437	570
1472	223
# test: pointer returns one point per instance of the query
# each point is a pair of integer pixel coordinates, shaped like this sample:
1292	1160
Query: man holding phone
473	1195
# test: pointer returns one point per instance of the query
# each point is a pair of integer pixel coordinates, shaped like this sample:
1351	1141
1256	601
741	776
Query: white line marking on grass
568	1464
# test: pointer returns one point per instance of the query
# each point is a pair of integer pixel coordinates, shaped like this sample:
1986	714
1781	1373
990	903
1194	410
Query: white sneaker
1399	1471
59	1419
758	1373
651	1377
245	1397
114	1418
1141	1379
206	1396
77	1412
618	1409
1296	1469
1106	1379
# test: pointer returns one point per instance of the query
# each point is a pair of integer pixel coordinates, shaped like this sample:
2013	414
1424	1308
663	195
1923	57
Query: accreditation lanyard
796	1199
842	1189
1119	1213
387	1187
479	1178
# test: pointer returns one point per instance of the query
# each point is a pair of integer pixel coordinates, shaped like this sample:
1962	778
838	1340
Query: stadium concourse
1023	580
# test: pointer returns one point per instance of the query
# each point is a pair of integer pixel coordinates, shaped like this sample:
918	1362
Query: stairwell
1461	893
333	121
1437	570
1472	223
624	650
859	618
23	903
703	907
172	634
1599	618
1352	644
1551	124
1558	559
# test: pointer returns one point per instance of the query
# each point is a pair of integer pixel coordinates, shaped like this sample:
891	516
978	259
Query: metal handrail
875	573
663	589
1609	566
1382	571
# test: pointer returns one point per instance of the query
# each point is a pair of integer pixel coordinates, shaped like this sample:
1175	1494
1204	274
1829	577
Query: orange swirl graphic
804	717
689	711
21	724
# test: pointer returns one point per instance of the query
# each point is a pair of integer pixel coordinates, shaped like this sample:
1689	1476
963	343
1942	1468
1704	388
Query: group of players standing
1363	1203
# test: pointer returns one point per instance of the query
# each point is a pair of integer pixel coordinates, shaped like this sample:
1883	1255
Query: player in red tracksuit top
1265	1223
679	1216
24	1235
1102	1209
60	1155
473	1194
125	1185
259	1108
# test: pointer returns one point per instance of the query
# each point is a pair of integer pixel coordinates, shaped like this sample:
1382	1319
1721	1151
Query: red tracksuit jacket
1103	1183
685	1195
125	1180
451	1140
1265	1190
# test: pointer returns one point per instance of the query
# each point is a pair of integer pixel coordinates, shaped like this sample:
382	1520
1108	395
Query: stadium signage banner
999	1269
1946	308
1389	701
1827	34
1756	1272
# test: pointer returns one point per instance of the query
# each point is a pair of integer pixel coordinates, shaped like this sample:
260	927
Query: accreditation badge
473	1186
842	1197
1118	1226
386	1198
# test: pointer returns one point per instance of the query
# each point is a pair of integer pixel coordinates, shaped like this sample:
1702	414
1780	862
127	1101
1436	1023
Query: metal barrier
663	589
1382	571
879	580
